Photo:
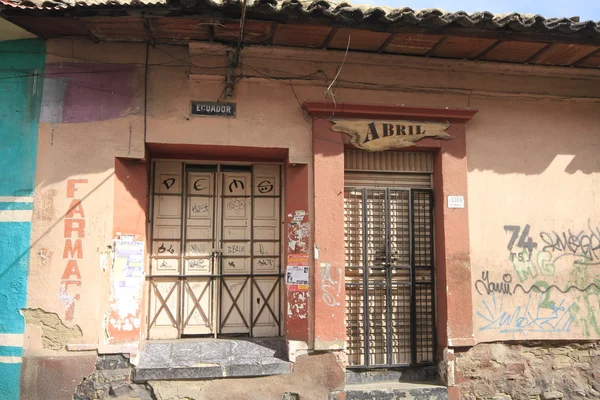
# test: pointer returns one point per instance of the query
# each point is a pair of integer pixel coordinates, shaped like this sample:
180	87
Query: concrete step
425	374
396	390
211	358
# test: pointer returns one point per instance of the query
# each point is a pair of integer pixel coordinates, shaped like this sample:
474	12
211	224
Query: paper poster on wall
296	277
127	280
128	265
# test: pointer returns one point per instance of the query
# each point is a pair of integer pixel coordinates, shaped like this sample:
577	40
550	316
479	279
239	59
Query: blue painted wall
21	84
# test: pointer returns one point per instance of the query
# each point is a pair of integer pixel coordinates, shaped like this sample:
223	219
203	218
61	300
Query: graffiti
164	265
162	249
74	232
261	250
169	183
265	187
330	286
584	243
235	249
525	242
531	305
231	264
536	315
588	299
197	249
567	289
235	184
196	264
200	208
526	267
493	287
236	204
264	262
198	183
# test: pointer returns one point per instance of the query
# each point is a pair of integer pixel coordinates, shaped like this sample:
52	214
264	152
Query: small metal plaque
213	108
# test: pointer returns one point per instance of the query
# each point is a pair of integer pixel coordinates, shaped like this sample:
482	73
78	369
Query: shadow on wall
58	221
528	137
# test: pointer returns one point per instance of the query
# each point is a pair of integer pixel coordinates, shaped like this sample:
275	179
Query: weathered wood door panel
215	265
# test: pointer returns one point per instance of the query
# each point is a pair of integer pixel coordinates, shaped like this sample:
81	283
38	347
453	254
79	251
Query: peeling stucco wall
55	334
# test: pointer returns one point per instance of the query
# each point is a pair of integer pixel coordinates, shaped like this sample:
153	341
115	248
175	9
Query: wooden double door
216	250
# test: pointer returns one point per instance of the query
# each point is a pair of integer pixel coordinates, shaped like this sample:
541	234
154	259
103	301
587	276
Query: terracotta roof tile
353	15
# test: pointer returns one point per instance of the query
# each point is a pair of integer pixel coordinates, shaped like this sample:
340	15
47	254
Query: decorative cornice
327	109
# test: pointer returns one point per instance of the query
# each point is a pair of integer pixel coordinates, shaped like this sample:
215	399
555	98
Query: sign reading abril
384	135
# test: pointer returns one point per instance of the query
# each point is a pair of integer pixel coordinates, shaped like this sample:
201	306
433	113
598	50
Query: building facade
362	216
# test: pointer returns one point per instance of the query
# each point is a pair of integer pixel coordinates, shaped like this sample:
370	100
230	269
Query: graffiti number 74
525	242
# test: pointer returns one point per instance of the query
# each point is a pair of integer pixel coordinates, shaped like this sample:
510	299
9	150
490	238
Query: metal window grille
389	277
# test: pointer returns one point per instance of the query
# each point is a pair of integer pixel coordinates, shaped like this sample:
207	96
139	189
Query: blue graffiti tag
536	315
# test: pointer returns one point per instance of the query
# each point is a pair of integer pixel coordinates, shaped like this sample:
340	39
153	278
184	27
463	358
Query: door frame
217	281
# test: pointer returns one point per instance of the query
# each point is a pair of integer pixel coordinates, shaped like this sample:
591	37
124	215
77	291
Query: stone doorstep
424	374
396	390
211	359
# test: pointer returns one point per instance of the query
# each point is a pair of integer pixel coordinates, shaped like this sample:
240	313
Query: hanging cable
241	34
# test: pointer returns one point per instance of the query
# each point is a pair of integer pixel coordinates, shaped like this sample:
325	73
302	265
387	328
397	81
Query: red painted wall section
298	248
452	242
328	274
130	207
131	197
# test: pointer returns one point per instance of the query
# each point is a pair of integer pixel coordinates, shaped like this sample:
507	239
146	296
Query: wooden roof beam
488	50
537	53
435	46
329	38
584	58
386	42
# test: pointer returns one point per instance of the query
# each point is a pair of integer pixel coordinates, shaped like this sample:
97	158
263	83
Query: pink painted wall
533	140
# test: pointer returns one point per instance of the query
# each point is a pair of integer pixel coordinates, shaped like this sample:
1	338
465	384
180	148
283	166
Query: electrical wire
131	66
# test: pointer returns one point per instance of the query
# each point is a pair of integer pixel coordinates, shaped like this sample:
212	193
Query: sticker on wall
456	201
383	135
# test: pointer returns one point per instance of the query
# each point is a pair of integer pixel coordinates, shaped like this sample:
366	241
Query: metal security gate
389	273
215	261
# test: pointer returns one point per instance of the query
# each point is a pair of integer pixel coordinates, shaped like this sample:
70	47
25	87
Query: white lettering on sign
456	202
213	108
